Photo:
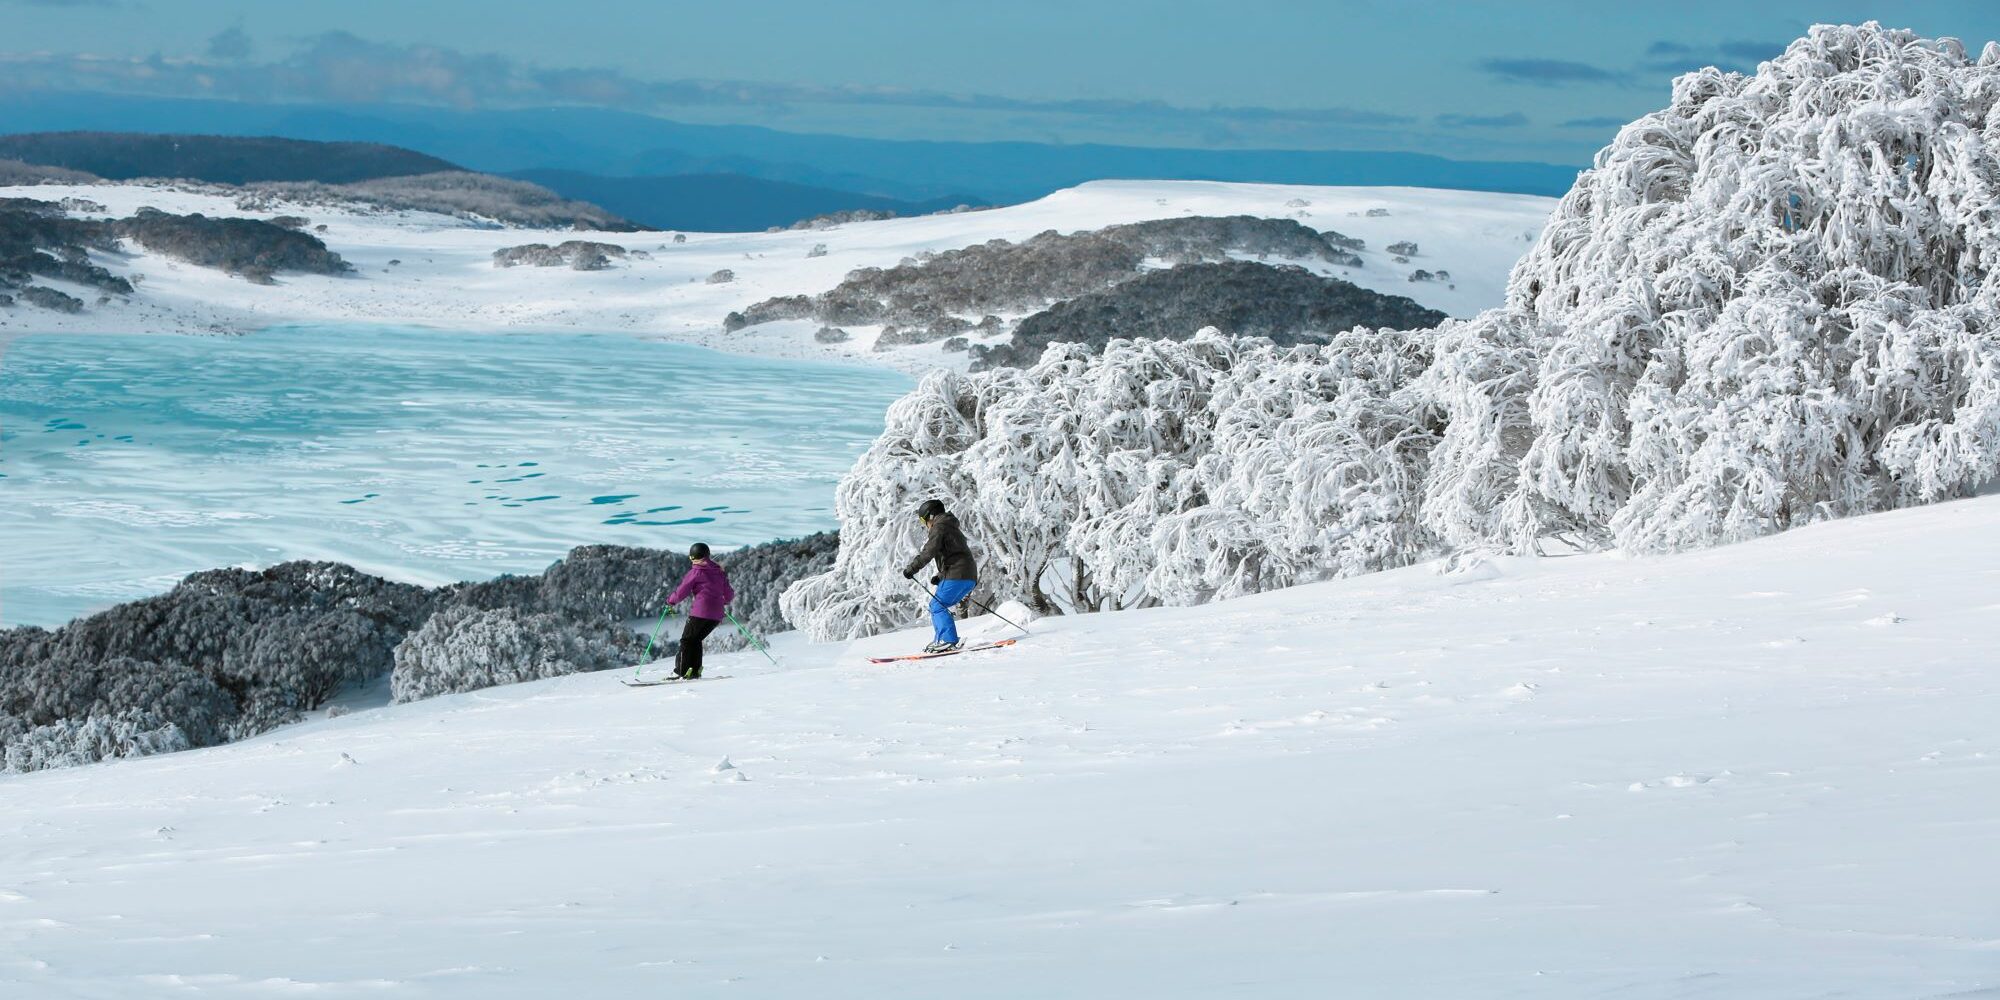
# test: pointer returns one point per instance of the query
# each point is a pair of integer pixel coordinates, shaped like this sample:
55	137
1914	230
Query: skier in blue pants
957	572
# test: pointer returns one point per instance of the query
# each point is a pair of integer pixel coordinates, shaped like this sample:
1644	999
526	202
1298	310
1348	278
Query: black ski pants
687	661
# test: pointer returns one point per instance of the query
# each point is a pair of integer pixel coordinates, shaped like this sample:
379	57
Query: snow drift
1766	304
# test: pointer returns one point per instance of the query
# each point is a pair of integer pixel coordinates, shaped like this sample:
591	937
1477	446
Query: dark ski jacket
709	586
946	544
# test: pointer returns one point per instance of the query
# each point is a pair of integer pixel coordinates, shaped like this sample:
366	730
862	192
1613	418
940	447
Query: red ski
933	656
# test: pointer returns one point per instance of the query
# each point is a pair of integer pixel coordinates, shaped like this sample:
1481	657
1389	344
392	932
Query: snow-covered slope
431	270
1764	770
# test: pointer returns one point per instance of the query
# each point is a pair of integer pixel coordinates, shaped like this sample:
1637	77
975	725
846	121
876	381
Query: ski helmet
698	550
930	509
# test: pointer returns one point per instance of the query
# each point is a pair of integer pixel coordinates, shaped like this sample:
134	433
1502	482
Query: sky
1547	80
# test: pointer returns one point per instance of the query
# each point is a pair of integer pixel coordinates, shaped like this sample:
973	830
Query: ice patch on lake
425	456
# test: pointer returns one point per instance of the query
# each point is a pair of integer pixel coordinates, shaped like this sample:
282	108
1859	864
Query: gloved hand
936	580
909	574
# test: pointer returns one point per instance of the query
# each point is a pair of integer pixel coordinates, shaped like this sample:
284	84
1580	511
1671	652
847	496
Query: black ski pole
997	614
974	603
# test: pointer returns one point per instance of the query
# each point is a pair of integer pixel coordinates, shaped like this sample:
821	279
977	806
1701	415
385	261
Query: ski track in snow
1713	774
443	276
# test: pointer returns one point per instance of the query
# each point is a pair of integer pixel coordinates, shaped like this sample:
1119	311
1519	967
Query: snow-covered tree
465	649
1766	304
1159	472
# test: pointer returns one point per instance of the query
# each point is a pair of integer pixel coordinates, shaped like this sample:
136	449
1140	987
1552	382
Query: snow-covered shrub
74	742
45	686
464	649
760	574
577	255
722	277
1000	276
226	653
593	585
1158	472
770	310
252	248
607	585
1766	304
50	299
310	655
1285	303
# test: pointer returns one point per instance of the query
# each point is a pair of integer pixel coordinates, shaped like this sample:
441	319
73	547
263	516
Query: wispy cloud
1512	119
1742	56
231	44
343	67
1548	72
1753	52
1602	121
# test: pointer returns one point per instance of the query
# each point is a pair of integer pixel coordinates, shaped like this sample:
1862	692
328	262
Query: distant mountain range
121	156
702	202
623	144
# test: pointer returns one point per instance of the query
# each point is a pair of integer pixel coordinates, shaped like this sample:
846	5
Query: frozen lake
127	462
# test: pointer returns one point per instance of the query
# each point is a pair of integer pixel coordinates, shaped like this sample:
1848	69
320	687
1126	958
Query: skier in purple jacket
708	585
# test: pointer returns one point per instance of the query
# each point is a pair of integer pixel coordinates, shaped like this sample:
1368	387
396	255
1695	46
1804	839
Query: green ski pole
755	642
648	657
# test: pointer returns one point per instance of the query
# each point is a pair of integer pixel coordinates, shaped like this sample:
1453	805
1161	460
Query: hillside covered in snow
1759	770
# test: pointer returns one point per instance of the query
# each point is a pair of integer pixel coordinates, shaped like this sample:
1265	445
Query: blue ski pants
949	592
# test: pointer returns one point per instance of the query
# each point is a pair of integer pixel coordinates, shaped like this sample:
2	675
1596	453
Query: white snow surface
1764	770
445	276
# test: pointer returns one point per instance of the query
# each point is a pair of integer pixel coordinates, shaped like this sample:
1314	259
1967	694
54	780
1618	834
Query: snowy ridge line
422	269
1769	303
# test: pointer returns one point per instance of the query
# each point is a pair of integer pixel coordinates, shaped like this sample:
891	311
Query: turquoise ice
130	461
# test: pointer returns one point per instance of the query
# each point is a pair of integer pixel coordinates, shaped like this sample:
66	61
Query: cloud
343	67
1512	119
1602	121
1548	72
230	44
1675	58
1752	52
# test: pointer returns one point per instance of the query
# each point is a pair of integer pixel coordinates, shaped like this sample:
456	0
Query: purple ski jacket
709	586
